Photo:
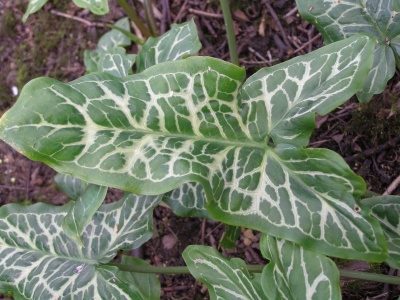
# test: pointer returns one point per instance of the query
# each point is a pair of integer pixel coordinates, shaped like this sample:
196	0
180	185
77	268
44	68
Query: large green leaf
188	200
190	121
225	278
98	7
386	209
182	40
338	20
296	273
39	261
33	6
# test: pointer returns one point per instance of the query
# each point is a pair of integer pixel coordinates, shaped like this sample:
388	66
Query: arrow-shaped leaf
39	261
386	209
338	20
296	273
190	121
225	278
109	55
180	41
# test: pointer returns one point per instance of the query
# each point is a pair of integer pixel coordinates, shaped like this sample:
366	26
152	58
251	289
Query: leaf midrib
229	142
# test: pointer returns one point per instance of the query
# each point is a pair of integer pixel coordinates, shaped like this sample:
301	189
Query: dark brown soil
367	136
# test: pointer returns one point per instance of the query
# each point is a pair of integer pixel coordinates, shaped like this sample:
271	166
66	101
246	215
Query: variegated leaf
91	59
188	200
296	273
338	20
182	40
117	62
148	286
115	38
190	121
98	7
225	278
109	53
33	6
40	262
386	209
82	212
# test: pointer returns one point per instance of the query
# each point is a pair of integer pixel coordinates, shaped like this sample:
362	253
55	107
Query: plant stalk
230	33
132	36
148	9
134	17
254	269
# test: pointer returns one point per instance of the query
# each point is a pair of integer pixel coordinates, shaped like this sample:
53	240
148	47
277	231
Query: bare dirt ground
50	44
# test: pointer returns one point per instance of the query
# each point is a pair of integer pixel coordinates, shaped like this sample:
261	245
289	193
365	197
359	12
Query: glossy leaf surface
296	273
386	209
193	121
337	20
40	262
225	278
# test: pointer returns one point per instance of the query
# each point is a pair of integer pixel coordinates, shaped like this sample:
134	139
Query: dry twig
88	23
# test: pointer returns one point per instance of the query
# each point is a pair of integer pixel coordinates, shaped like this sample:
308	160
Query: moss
378	120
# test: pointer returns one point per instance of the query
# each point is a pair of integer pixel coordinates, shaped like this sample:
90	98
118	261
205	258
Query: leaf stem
148	9
230	32
370	276
130	35
254	269
134	17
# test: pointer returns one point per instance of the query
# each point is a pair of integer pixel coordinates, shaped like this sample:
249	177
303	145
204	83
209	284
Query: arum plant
337	20
188	131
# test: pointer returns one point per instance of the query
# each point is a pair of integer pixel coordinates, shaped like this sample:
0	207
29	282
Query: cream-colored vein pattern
188	199
179	41
374	17
296	273
386	209
116	63
225	278
42	263
191	121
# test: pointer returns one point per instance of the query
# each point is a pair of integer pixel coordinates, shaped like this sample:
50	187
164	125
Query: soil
48	44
